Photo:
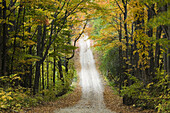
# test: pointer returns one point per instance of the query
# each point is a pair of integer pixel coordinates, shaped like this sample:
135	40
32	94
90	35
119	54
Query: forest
134	45
38	42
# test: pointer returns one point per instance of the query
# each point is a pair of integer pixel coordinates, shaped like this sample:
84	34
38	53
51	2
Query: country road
90	81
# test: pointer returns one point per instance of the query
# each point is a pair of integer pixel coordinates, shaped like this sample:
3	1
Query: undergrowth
14	98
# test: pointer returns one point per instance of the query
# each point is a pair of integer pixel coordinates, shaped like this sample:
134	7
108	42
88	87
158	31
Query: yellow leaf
9	98
149	85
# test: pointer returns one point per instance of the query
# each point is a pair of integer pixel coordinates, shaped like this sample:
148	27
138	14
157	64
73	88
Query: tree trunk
30	66
120	56
150	71
60	70
54	70
138	26
3	55
38	63
132	56
1	41
126	32
47	74
42	71
125	97
157	51
42	49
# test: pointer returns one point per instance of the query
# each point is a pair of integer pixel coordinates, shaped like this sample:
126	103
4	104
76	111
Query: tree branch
76	39
119	6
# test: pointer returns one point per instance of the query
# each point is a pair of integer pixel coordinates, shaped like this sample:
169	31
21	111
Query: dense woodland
133	38
36	49
38	38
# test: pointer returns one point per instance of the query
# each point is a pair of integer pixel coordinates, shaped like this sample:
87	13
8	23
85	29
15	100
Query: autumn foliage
133	39
36	50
